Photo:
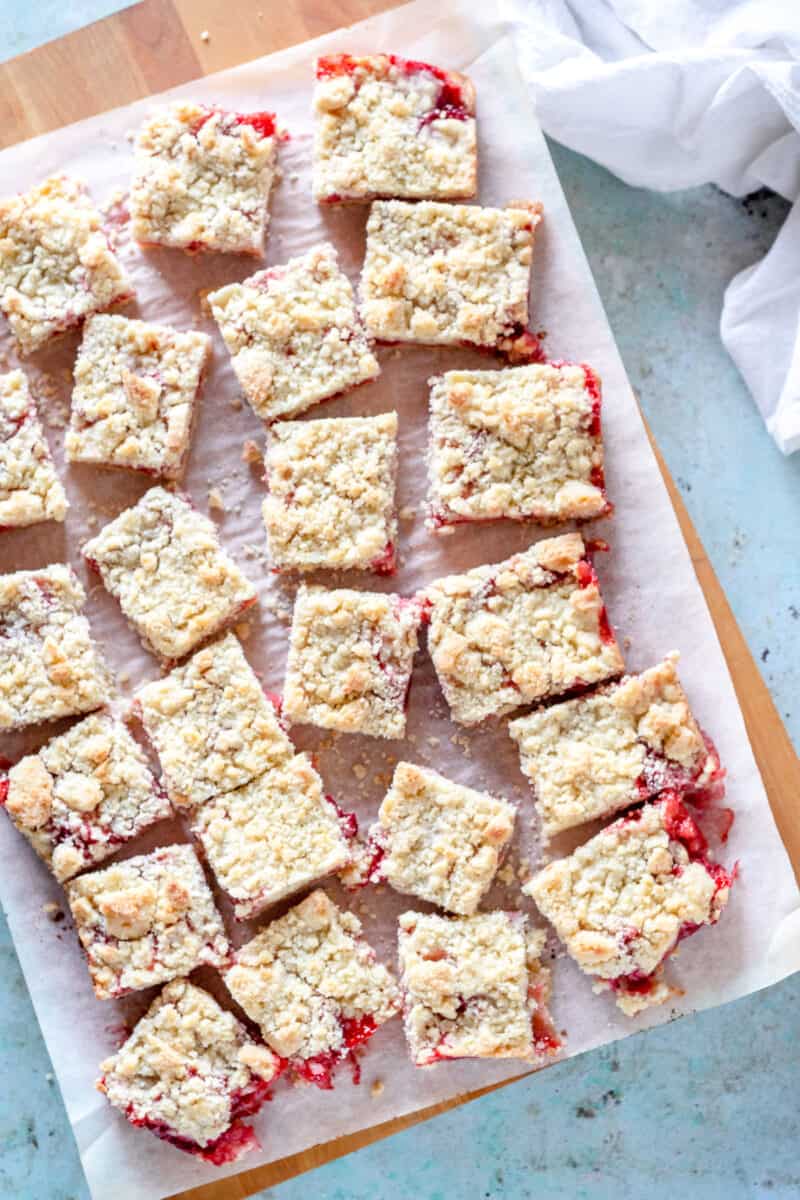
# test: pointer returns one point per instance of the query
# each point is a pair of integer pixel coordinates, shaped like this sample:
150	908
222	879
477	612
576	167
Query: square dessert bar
202	179
386	126
49	665
449	275
590	757
273	836
350	660
146	920
474	988
311	983
136	386
331	499
30	490
622	901
188	1072
522	443
438	840
86	793
294	335
56	266
212	725
161	559
526	629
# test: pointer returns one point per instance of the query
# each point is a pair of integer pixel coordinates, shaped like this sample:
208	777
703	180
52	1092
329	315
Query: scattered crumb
376	1089
359	770
124	678
250	452
433	742
446	531
506	874
130	135
205	36
50	907
626	641
243	630
92	521
215	501
407	512
236	402
524	870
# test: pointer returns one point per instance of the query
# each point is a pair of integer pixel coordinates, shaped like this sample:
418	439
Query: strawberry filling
319	1069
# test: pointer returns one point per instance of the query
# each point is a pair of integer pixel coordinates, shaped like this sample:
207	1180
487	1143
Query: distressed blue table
705	1108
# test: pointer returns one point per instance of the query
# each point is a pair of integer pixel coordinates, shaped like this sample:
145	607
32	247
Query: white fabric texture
671	94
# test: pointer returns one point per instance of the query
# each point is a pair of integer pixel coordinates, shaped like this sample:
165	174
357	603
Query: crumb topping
56	266
202	178
331	493
467	987
621	901
531	627
272	837
135	390
49	665
86	793
592	756
146	920
162	561
293	334
307	974
213	727
522	443
385	126
441	841
444	274
187	1066
30	490
350	660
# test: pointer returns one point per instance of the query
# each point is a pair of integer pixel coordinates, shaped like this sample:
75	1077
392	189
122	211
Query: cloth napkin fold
671	94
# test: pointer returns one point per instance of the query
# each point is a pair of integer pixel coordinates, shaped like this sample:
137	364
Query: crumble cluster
133	403
385	126
331	499
30	490
525	629
590	757
49	665
56	266
161	559
293	334
522	443
202	179
86	793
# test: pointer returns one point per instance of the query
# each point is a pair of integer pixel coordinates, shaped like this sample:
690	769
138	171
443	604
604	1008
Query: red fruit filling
320	1068
386	561
348	821
4	786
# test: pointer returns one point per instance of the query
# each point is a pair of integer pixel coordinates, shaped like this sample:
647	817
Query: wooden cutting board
160	43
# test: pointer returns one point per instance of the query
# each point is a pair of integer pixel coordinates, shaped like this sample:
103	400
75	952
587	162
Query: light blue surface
706	1108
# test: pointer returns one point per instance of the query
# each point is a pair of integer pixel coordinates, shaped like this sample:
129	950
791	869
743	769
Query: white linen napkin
671	94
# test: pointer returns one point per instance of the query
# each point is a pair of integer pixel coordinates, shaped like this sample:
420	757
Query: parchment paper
653	597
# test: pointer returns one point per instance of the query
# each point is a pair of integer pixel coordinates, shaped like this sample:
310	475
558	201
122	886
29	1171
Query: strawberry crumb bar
86	793
331	499
294	335
162	561
188	1072
273	836
622	901
202	179
146	920
212	725
526	629
136	386
49	665
438	840
474	988
350	660
56	266
449	275
311	983
387	126
522	443
590	757
30	490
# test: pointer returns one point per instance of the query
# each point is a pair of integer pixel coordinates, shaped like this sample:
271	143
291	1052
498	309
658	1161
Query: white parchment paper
653	598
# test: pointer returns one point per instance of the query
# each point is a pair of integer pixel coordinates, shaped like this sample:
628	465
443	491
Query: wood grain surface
158	44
